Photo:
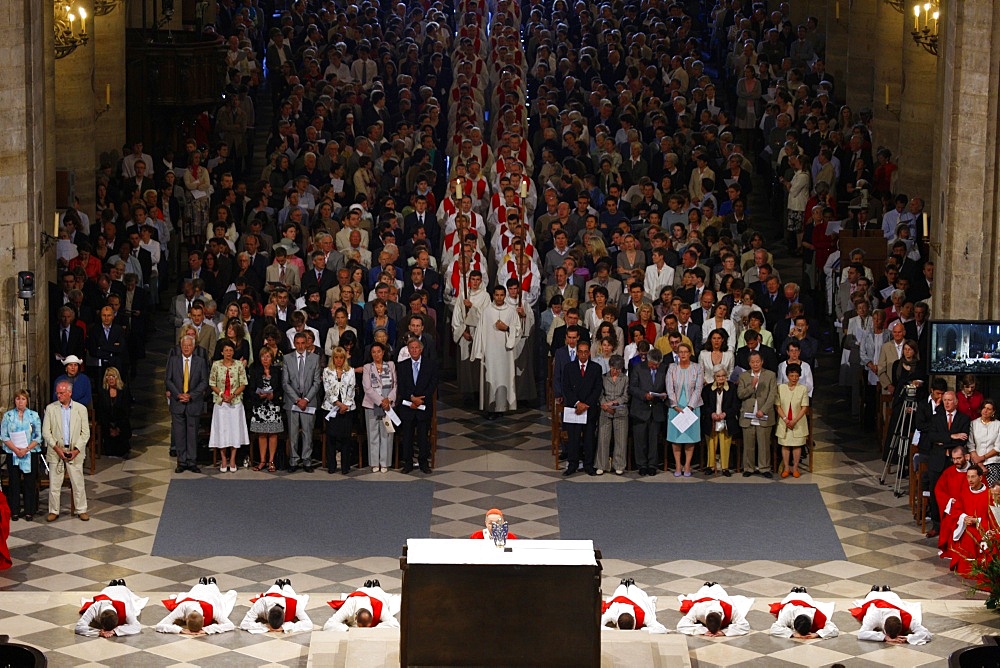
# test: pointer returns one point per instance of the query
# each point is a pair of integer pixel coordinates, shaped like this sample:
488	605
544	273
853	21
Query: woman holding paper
267	417
685	381
379	380
21	433
338	385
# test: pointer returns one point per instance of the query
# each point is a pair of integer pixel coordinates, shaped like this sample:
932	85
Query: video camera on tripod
899	444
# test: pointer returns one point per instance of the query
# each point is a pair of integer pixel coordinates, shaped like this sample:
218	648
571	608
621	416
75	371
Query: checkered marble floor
479	465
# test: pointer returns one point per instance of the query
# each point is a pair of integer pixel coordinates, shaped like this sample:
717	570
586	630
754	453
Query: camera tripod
899	444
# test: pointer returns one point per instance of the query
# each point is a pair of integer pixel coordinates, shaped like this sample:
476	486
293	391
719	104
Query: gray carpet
704	522
281	518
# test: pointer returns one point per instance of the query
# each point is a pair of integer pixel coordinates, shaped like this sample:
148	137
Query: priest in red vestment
973	519
949	487
492	515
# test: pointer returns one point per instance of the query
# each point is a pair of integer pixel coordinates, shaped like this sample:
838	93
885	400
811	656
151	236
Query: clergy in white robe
524	358
278	609
630	608
202	611
880	608
527	277
495	344
113	612
380	607
799	616
712	612
464	323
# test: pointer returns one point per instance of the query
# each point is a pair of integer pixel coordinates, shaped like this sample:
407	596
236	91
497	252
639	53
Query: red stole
640	616
207	610
456	274
904	616
727	609
290	604
119	606
819	619
449	206
375	603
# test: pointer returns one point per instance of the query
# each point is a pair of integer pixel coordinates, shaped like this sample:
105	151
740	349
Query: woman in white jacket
798	196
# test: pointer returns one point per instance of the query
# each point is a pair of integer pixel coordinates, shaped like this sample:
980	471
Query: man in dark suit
66	339
948	428
582	383
318	277
144	257
688	328
194	270
705	310
772	300
107	345
187	382
919	329
922	284
767	354
647	410
417	379
572	319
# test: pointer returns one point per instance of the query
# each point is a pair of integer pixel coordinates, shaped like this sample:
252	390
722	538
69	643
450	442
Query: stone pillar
75	105
918	108
109	68
858	88
27	182
887	46
964	217
837	41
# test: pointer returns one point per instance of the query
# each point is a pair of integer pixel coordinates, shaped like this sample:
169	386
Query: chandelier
67	35
105	7
925	31
898	5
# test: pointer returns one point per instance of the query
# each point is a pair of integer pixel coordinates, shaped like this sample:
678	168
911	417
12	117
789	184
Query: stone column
918	107
109	68
837	41
887	47
27	182
964	217
75	105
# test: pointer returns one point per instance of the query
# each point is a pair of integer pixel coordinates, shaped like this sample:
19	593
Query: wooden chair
94	444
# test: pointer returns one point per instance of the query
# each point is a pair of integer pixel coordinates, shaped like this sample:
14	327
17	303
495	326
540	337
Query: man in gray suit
302	382
187	382
647	386
758	390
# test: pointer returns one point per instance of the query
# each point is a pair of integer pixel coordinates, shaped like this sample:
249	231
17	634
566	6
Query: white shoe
619	471
384	469
222	469
375	469
599	471
233	469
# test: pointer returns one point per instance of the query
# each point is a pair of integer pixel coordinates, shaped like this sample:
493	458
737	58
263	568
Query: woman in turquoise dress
22	457
684	384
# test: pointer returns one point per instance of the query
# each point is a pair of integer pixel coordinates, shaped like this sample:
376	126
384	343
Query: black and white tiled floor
479	465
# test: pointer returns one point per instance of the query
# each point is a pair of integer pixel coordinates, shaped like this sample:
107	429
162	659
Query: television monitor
965	346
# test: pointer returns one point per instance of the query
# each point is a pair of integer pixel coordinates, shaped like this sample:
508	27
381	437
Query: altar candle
107	95
524	188
887	96
837	10
55	227
458	188
916	18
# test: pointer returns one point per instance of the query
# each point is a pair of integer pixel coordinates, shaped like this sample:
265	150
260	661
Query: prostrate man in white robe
113	612
367	607
630	609
799	616
495	345
278	609
712	612
202	611
464	323
885	617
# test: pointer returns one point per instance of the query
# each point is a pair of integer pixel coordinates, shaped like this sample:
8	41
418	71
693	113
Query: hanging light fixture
69	34
926	19
898	5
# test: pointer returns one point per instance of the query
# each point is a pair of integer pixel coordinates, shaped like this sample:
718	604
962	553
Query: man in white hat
82	393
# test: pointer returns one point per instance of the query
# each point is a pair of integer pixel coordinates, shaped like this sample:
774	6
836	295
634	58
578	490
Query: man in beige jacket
66	430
